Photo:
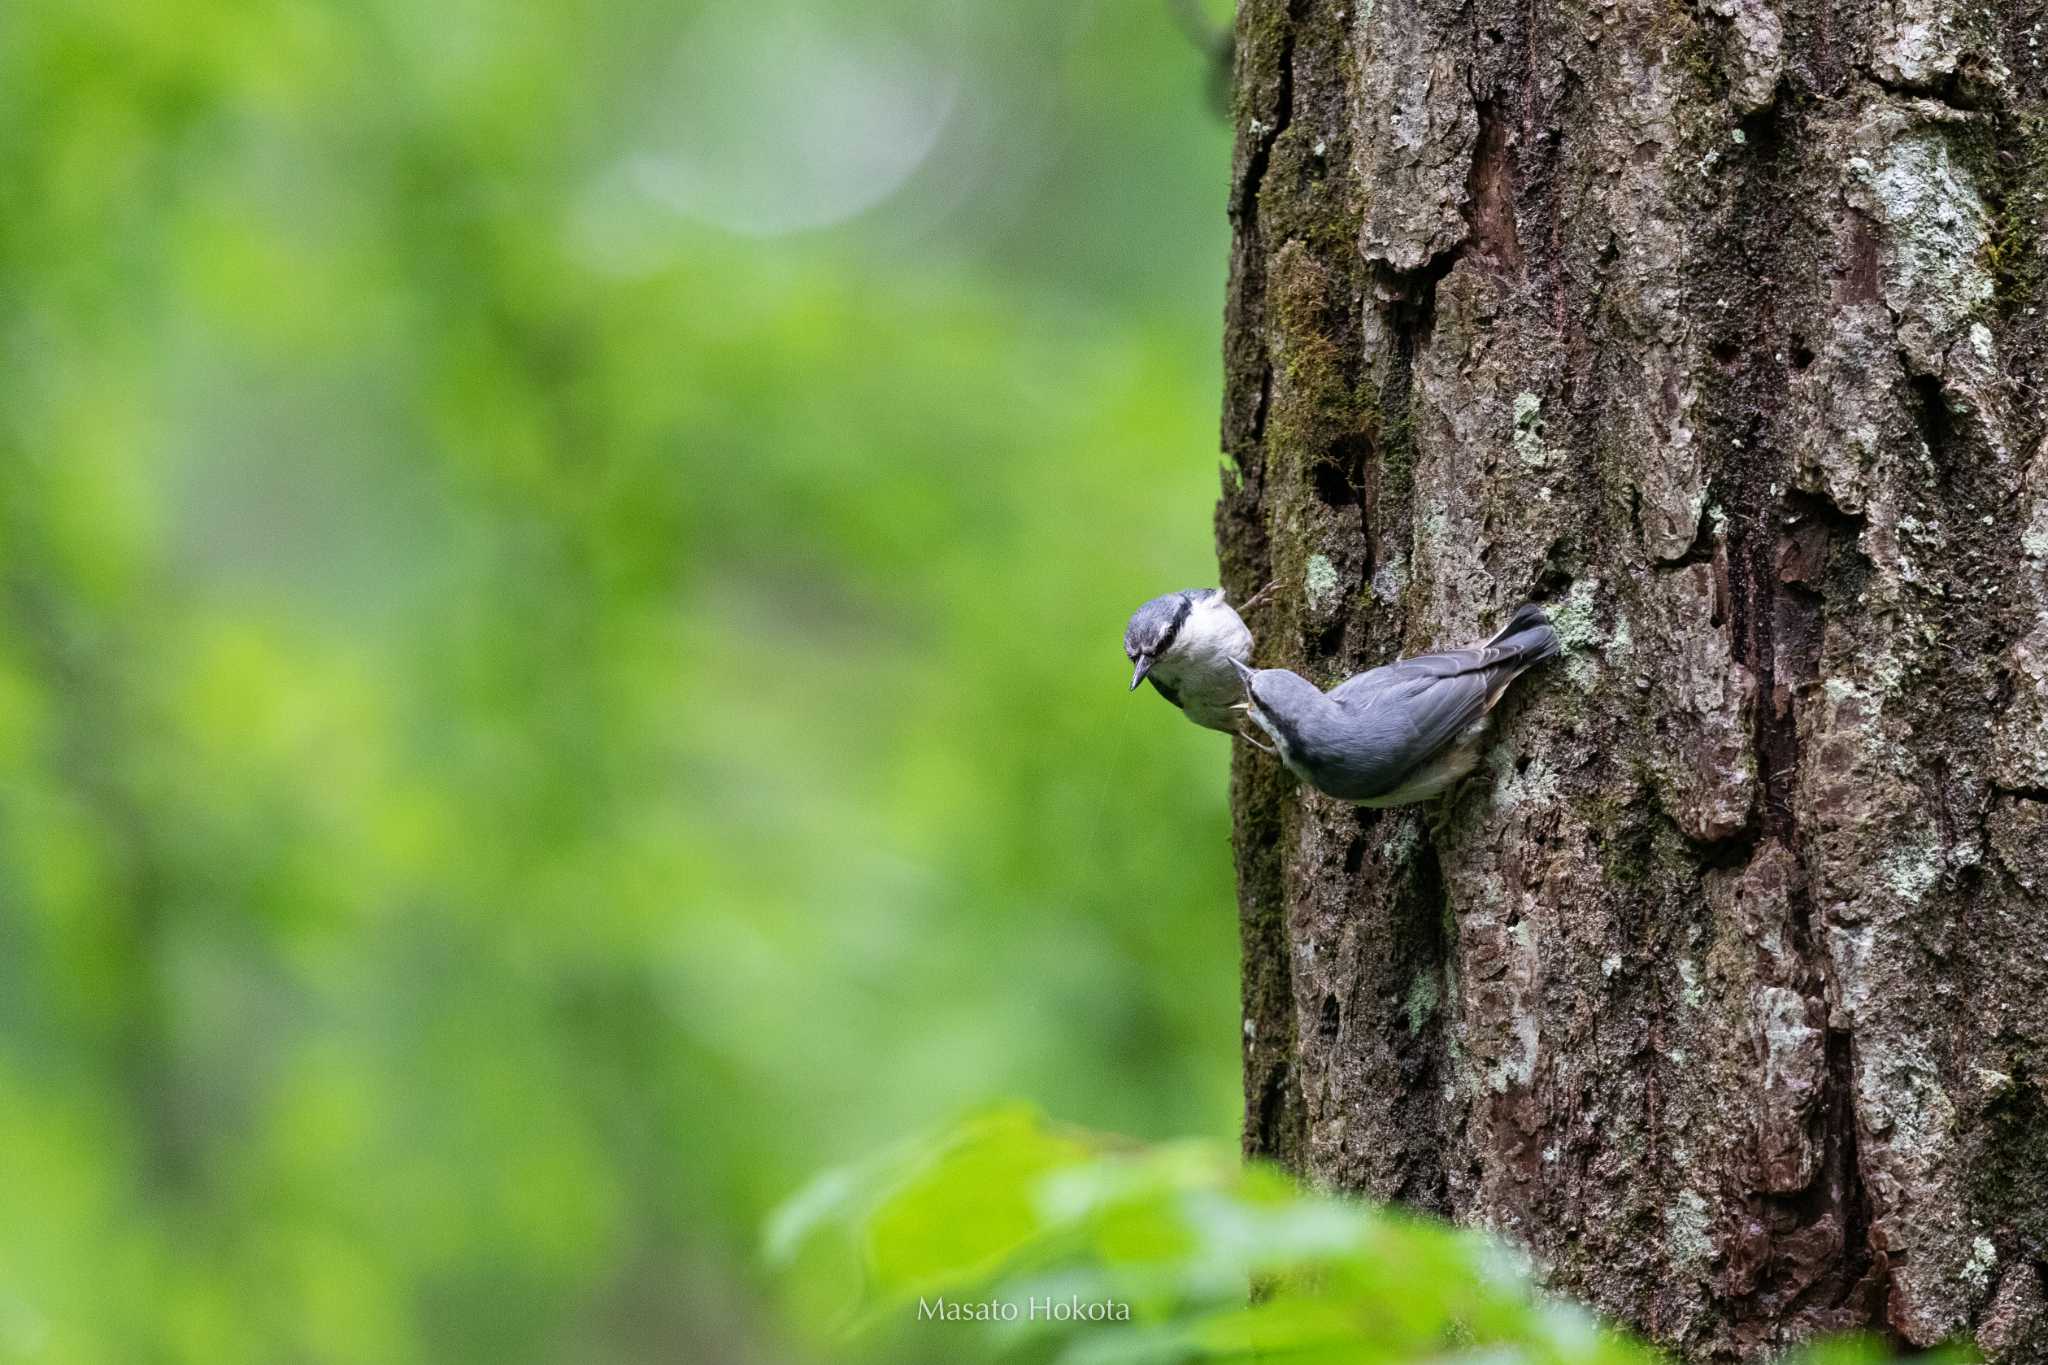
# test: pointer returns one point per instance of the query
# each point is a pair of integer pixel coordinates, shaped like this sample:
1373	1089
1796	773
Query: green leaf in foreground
1076	1247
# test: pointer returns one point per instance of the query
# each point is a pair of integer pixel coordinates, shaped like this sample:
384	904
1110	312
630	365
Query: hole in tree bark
1330	640
1490	194
1937	421
1333	485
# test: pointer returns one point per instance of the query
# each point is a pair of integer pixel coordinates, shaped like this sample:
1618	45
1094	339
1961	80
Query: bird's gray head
1152	630
1285	705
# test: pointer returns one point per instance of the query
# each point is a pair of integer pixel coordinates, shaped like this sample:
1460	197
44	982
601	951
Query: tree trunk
1722	989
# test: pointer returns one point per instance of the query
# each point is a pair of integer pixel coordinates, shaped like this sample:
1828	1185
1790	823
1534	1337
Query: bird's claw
1259	596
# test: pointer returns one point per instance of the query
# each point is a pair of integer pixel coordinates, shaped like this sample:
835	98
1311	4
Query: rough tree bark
1723	988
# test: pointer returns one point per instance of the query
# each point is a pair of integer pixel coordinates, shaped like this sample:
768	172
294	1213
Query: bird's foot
1261	595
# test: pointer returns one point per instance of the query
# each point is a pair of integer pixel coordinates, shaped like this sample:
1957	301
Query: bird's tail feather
1527	637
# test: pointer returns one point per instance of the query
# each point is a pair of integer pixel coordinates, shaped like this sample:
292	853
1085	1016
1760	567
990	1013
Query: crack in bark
1261	155
1953	91
1779	584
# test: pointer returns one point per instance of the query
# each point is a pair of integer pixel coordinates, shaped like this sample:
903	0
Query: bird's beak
1244	675
1138	674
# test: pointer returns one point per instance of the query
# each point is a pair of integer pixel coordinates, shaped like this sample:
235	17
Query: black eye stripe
1179	618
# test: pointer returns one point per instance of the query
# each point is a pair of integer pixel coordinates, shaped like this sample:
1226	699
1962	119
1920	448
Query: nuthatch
1190	645
1402	733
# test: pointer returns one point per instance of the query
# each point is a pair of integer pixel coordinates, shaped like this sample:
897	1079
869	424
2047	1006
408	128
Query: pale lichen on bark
1722	988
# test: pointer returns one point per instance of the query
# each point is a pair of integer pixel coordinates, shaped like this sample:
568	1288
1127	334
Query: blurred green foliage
561	569
1009	1238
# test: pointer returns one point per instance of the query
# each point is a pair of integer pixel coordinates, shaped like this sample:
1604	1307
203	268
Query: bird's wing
1436	697
1524	641
1436	707
1360	689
